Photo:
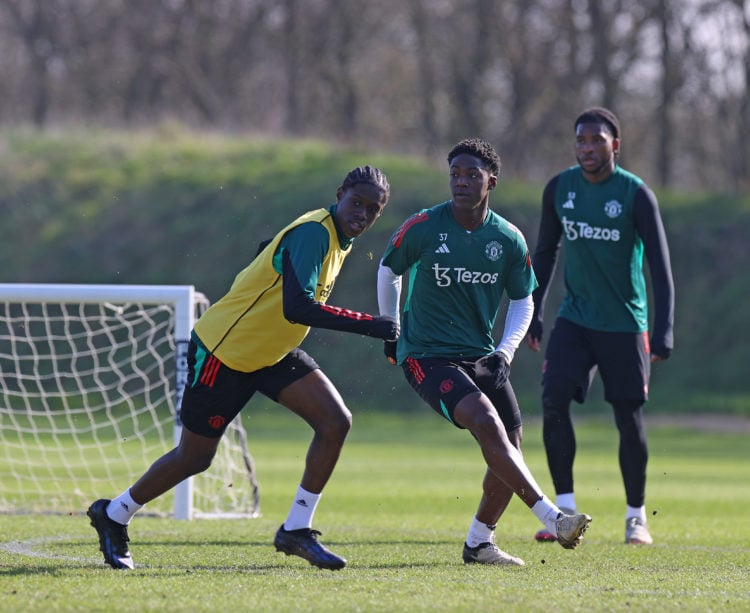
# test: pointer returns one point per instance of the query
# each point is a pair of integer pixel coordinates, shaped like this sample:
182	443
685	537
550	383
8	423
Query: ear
339	193
492	182
616	145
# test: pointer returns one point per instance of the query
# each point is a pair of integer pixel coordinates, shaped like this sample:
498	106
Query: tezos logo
580	229
493	251
445	276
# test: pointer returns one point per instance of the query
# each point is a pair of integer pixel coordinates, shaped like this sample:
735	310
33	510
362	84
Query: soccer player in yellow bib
248	342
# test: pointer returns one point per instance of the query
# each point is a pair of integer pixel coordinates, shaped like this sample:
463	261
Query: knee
344	422
629	419
337	425
484	423
556	396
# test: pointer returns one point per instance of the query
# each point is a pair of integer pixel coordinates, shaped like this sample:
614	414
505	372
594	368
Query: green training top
604	279
456	281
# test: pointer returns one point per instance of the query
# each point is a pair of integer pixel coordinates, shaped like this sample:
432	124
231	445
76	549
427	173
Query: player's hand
533	343
492	371
385	327
534	335
389	349
659	352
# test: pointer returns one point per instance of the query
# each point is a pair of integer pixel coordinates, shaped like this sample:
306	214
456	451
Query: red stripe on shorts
210	370
415	369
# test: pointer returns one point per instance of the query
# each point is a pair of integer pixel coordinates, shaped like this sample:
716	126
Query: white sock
547	513
122	508
567	501
639	512
302	510
479	533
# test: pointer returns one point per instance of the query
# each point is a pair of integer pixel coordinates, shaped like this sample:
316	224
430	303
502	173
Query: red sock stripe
210	370
415	369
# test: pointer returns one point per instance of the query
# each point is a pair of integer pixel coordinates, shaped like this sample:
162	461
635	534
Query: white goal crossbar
65	377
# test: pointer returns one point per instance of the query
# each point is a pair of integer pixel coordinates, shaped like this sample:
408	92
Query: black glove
389	349
492	371
660	350
385	327
536	329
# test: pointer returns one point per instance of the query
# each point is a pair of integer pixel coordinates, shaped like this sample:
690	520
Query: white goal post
91	378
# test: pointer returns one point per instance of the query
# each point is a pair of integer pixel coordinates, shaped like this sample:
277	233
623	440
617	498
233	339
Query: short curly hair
480	149
598	114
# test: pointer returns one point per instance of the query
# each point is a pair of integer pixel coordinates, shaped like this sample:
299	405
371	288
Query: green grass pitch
398	508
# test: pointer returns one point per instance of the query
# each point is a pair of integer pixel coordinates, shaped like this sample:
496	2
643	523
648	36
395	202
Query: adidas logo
443	249
568	205
124	506
301	502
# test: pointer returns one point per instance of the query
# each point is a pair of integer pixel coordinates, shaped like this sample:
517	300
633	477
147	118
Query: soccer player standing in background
461	258
248	341
607	218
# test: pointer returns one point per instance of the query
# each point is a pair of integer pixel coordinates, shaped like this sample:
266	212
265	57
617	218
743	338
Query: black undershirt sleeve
301	308
545	255
650	228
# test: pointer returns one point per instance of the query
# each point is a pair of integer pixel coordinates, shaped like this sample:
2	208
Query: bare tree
425	66
669	86
412	75
743	123
33	22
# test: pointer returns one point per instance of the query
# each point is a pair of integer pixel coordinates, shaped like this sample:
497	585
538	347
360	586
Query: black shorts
215	393
443	383
574	353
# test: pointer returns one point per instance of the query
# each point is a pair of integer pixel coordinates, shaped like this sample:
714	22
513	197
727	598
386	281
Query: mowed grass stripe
398	508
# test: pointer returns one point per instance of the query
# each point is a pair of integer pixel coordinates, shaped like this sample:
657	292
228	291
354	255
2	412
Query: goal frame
181	297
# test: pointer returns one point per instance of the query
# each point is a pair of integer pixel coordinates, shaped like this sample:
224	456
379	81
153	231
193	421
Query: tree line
411	76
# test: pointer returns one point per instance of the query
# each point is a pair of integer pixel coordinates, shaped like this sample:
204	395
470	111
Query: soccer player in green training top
461	258
248	341
606	218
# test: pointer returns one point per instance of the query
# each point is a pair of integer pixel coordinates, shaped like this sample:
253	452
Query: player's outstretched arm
301	307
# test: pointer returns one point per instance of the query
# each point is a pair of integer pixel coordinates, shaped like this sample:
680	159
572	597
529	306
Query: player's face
358	207
470	182
595	150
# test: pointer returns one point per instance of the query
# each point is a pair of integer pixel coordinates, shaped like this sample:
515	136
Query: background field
177	206
398	508
173	206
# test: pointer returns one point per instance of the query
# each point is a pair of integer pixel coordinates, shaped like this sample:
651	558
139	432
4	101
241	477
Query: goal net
90	378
